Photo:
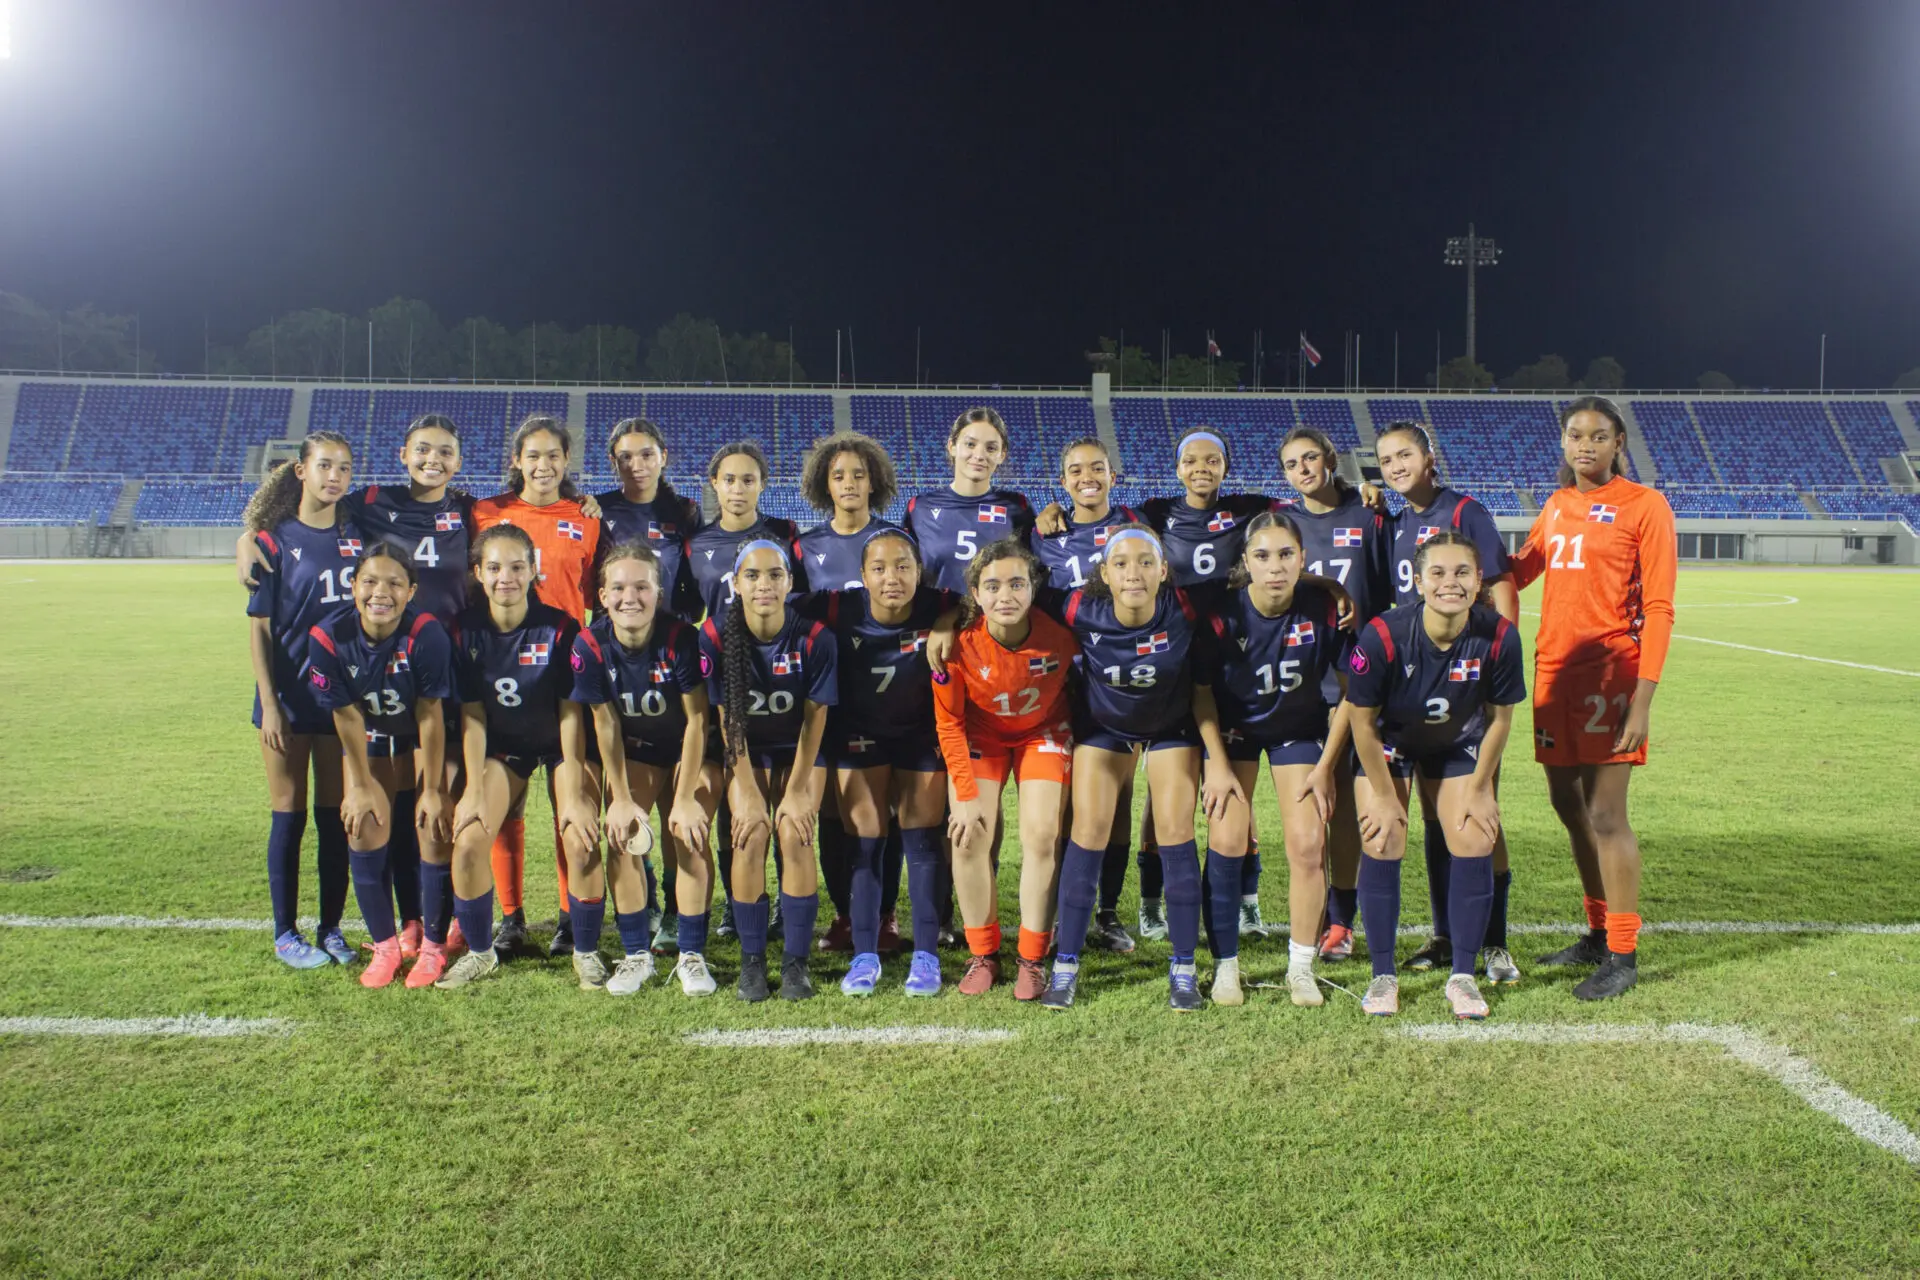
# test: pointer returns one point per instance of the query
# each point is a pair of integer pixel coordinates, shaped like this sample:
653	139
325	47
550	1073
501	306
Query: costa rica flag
1221	522
1298	634
446	522
535	655
1042	666
1158	642
1427	531
1601	513
785	664
568	529
349	546
993	515
1464	669
1346	537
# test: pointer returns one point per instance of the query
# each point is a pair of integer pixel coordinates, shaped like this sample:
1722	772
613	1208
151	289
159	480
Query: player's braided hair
665	497
278	497
1319	440
1239	576
736	657
817	470
1611	412
530	426
1009	548
1097	588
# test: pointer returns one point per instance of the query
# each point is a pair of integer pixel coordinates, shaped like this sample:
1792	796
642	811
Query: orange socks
509	858
1033	946
985	940
1596	912
1623	932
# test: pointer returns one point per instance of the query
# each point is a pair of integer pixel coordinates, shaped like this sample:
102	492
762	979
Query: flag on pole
1311	352
1213	348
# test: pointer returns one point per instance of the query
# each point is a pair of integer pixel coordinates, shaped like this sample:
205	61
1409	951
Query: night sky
1682	185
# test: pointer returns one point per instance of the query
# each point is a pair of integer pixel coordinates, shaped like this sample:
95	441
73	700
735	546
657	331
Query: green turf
527	1128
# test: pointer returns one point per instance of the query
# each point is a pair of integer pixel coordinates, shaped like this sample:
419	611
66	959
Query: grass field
527	1128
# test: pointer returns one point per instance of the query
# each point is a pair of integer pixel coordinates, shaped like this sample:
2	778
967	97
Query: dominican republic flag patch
1221	522
399	664
535	655
1042	666
1426	531
1346	537
786	664
1100	536
1601	513
1464	669
446	522
662	672
568	529
657	532
913	641
1155	643
349	546
993	515
1298	634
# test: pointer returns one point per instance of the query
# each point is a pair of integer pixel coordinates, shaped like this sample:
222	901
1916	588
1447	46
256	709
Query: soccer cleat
776	923
1383	997
890	942
1251	925
383	966
561	944
1109	934
1059	993
726	928
1153	920
1501	970
795	982
430	966
510	935
590	969
1463	993
1336	943
456	940
1029	978
695	978
1226	982
1590	949
752	986
1304	989
1183	987
923	977
410	935
1609	980
950	938
862	977
296	952
630	974
1438	951
471	967
838	937
666	939
981	973
334	943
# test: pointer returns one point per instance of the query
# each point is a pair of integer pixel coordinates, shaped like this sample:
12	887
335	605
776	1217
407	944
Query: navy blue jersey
1349	544
432	535
951	529
1271	671
1073	555
1449	510
1429	698
711	552
384	678
1204	542
1137	680
645	685
311	580
798	666
886	686
833	558
520	676
662	525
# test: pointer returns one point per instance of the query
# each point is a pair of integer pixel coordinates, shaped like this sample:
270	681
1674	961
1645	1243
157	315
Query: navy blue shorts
384	746
1183	733
918	753
658	755
526	764
1245	747
1456	760
305	717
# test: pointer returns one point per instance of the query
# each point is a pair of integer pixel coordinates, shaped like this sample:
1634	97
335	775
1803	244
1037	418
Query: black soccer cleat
1590	949
795	982
1438	951
561	944
511	934
726	929
753	979
1611	979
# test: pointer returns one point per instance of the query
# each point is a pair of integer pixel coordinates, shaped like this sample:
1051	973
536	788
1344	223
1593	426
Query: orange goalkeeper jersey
1609	557
564	544
998	696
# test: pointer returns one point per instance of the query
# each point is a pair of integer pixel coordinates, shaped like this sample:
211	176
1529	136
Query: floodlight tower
1472	252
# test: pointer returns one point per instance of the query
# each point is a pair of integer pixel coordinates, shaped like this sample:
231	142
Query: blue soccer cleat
296	952
863	976
923	978
334	943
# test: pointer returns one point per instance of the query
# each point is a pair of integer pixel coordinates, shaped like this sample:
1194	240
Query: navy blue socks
632	926
1439	862
436	899
863	890
1152	882
1497	922
920	846
1379	894
1343	905
1079	890
1223	905
836	865
1113	869
589	917
750	918
369	869
283	869
476	920
1470	901
403	857
798	915
892	859
691	931
335	875
1180	867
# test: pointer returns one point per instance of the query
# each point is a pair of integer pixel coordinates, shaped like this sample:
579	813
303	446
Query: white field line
889	1037
200	1026
1801	657
1800	1076
1406	930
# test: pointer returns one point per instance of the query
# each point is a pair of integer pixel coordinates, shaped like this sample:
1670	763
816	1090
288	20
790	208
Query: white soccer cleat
1304	989
1463	993
695	978
471	967
1501	970
630	974
1226	982
1383	996
590	969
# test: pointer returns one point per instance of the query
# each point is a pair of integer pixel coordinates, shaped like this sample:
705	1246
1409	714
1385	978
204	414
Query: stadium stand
1488	441
255	415
885	419
480	417
132	430
1760	442
42	426
45	499
1678	453
185	502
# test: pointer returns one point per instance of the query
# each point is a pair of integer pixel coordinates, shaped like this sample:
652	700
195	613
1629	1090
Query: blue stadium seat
42	425
180	502
479	416
1869	431
1489	440
255	415
45	500
1667	428
1759	442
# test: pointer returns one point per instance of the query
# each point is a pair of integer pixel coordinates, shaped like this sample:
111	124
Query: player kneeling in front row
1431	691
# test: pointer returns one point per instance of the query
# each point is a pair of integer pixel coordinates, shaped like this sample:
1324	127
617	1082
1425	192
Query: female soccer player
513	679
776	675
1606	548
1280	641
1000	706
543	501
738	473
638	667
884	749
311	554
952	524
385	669
1407	464
1431	689
1146	672
646	508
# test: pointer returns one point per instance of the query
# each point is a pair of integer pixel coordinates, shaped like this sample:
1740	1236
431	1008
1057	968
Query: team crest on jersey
787	664
992	515
398	664
1100	536
1464	669
535	655
1601	513
936	512
318	678
709	555
1221	522
1426	531
446	522
1346	537
294	551
349	546
1158	642
1358	663
571	531
913	641
1045	666
657	532
662	672
1298	634
820	557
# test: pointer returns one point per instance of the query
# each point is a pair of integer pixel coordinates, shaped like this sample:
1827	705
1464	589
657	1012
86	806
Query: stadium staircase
9	402
1645	469
1705	447
1812	503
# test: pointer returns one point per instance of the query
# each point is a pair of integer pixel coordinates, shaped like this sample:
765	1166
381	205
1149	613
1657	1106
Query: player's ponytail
532	425
1319	440
1240	576
994	552
1611	412
736	670
278	497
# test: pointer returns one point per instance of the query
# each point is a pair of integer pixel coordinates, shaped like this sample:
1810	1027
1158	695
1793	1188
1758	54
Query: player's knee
1306	848
1608	820
1090	831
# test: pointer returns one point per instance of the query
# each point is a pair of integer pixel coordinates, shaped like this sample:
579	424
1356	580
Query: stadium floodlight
1471	251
